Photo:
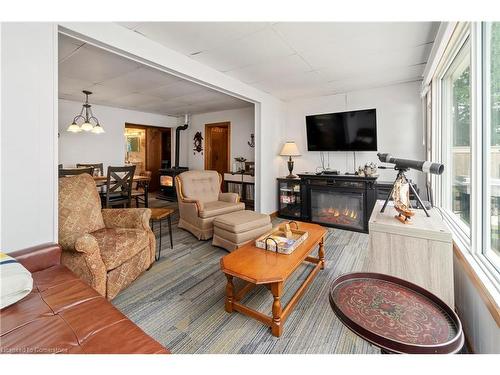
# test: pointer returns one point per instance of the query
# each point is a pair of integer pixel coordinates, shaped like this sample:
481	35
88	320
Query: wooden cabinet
420	252
290	198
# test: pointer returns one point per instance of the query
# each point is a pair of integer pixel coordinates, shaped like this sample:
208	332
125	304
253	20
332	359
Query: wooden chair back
119	186
98	167
65	172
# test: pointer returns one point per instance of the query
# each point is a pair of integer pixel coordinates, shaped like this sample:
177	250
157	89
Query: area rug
180	302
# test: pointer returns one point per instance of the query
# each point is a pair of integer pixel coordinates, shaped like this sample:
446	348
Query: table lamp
290	149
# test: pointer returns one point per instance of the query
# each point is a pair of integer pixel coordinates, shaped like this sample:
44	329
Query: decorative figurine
251	143
198	138
370	170
401	197
241	167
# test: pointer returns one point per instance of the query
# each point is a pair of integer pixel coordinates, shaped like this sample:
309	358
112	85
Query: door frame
224	124
147	161
161	128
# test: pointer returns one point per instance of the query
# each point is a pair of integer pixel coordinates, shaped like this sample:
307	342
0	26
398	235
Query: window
491	141
456	140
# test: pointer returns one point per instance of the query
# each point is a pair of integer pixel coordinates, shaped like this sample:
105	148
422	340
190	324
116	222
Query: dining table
101	181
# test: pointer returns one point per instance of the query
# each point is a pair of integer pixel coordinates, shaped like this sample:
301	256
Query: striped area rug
180	302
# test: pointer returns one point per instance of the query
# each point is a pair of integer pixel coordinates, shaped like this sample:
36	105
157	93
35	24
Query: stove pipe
177	140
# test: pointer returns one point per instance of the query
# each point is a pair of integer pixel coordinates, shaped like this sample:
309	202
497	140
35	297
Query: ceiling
299	59
120	82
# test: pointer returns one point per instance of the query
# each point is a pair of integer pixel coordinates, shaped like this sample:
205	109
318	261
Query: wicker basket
277	241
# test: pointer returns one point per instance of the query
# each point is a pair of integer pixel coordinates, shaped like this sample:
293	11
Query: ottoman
237	228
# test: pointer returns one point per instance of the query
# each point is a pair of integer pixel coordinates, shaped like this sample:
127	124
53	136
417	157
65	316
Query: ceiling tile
313	35
135	100
327	36
193	37
67	46
277	68
140	79
307	79
90	63
356	61
73	86
255	48
175	89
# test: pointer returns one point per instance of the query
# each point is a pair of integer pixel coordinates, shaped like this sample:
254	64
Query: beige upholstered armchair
201	201
106	248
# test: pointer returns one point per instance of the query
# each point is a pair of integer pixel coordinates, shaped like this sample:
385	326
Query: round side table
396	315
158	215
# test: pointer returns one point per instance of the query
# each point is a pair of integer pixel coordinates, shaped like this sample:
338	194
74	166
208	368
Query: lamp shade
290	149
87	126
97	129
74	128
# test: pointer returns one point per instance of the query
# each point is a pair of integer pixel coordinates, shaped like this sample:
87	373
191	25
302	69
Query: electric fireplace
341	209
338	201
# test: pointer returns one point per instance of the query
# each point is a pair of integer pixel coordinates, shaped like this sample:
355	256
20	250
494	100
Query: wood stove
167	183
167	175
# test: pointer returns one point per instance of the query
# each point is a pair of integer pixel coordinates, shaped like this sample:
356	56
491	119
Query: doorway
218	147
154	150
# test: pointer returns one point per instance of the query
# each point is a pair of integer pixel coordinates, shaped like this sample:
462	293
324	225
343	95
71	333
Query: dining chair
65	172
98	167
139	193
118	188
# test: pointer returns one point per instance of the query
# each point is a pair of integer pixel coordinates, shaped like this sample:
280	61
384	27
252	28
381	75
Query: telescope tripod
401	173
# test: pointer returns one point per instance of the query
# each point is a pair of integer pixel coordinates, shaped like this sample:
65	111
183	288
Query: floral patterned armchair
107	248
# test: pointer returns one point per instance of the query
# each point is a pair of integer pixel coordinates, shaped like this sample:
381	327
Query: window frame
471	245
465	235
485	252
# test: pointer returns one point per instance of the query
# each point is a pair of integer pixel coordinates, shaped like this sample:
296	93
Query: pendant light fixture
90	122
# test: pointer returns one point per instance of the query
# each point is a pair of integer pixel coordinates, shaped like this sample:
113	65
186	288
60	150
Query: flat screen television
342	131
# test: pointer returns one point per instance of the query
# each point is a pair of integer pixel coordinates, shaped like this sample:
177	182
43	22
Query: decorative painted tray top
395	315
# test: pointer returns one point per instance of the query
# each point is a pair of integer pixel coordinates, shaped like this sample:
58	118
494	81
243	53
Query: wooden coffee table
264	267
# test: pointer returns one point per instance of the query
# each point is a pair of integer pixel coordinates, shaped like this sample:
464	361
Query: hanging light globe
87	117
97	129
74	128
87	126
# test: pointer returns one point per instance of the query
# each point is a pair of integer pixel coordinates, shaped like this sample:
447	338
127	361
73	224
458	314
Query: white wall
28	135
109	147
481	329
242	125
399	127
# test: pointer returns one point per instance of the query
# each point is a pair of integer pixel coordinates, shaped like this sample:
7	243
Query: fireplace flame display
166	180
333	215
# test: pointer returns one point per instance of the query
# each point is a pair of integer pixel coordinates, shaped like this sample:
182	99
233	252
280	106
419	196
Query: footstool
238	228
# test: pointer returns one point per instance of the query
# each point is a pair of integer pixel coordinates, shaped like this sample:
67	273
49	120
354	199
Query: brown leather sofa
200	201
64	315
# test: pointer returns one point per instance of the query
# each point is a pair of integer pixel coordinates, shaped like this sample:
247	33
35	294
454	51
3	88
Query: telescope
423	166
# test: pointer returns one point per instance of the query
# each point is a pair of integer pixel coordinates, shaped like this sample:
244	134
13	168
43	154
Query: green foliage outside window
495	83
461	109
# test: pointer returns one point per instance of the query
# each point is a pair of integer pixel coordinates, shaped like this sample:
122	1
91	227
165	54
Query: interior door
217	147
153	156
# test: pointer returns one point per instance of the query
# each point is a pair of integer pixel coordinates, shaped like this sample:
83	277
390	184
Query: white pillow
15	281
